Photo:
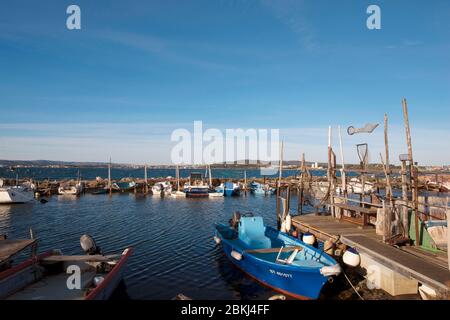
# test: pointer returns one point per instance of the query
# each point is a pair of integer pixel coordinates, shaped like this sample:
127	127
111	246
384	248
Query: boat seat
252	232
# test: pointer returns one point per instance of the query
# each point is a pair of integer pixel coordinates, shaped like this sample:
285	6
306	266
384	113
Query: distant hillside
49	163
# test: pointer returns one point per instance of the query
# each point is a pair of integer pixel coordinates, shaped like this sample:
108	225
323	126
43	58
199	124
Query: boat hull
231	192
13	195
298	284
25	274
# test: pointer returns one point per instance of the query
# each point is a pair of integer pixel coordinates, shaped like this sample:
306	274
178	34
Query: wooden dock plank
8	248
403	262
329	228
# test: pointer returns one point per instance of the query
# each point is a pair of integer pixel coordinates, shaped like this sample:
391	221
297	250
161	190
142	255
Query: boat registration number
281	274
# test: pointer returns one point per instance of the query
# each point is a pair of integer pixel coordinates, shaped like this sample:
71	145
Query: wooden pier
410	262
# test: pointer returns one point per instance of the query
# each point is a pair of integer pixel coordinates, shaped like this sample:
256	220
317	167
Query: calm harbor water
173	239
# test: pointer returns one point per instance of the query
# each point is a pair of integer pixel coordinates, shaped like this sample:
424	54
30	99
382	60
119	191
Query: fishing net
363	153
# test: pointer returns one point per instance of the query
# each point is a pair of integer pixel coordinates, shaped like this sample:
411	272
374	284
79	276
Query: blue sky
139	69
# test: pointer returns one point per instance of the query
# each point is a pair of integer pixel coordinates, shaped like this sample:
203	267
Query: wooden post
245	182
388	168
343	175
448	233
145	180
405	208
279	186
412	170
329	171
109	177
301	191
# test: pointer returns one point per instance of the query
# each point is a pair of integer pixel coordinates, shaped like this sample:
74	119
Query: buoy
351	257
98	280
309	238
288	222
217	240
37	194
236	255
283	226
277	297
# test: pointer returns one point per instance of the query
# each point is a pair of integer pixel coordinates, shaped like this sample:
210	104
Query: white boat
71	190
178	194
16	194
355	186
162	188
215	194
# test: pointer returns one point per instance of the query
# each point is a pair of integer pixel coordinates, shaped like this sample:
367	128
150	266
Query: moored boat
276	259
196	188
71	190
162	189
231	189
124	186
261	189
16	194
49	276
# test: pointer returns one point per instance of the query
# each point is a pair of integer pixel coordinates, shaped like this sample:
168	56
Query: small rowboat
275	259
53	276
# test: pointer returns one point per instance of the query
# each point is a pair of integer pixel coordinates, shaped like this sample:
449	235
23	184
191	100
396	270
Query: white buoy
98	280
283	226
288	222
236	255
217	240
351	258
309	238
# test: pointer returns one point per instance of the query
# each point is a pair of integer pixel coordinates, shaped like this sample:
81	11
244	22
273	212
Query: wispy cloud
157	46
292	14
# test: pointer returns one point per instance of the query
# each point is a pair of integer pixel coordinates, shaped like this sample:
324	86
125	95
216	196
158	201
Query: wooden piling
448	233
109	178
279	186
343	175
387	167
145	180
405	210
413	172
300	194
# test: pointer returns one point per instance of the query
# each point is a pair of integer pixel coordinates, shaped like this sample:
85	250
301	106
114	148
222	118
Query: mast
145	178
109	177
209	174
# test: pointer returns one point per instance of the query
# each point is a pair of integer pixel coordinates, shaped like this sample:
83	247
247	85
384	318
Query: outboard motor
88	245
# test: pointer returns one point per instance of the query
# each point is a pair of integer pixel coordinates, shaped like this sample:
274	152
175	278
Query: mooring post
448	233
413	171
302	178
145	180
280	169
109	177
388	168
405	207
343	174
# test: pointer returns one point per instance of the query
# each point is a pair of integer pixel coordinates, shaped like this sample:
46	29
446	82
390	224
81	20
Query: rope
352	286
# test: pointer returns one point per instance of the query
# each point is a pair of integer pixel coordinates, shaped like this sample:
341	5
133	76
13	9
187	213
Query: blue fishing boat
231	189
275	259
